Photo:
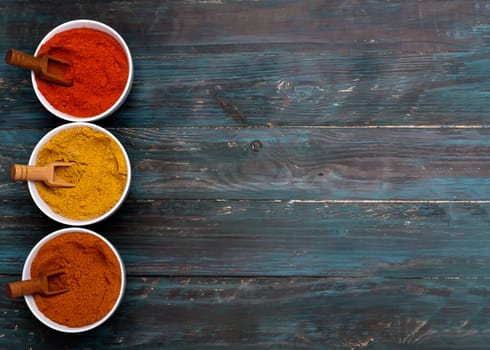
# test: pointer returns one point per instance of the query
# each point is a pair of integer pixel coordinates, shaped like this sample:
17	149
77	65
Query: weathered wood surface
235	63
279	238
358	221
293	163
296	313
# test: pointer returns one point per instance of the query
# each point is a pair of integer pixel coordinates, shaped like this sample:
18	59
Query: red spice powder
99	71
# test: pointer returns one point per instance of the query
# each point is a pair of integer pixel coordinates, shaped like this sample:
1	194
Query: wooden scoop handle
22	60
20	288
27	172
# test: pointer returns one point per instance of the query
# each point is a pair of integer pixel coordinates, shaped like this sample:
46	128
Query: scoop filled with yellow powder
99	170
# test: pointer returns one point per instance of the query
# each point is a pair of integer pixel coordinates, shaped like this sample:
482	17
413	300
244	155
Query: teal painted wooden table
307	174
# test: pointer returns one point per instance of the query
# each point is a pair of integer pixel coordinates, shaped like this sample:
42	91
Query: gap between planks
428	126
328	201
271	126
387	201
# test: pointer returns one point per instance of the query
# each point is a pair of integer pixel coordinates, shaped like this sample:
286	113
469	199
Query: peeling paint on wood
307	174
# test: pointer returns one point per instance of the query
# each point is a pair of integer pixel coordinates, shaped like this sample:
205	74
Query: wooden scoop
43	285
45	66
46	174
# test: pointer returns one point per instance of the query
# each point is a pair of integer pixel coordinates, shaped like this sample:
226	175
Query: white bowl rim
86	23
44	207
26	274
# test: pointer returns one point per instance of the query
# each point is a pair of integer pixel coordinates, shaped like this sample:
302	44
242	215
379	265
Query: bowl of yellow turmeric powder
100	71
98	170
90	275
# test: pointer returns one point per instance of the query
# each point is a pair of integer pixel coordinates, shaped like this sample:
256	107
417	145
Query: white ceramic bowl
31	303
45	208
85	23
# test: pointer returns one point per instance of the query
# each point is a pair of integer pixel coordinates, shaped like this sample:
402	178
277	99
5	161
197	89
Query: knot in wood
255	145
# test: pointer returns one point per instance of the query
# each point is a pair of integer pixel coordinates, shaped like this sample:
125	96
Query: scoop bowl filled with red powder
101	70
94	276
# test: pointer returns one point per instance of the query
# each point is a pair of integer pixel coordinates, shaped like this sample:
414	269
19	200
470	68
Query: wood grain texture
293	163
292	313
307	174
279	63
278	238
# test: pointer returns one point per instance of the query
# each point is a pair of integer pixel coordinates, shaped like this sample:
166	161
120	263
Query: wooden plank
281	63
277	238
195	22
283	88
316	87
299	313
292	163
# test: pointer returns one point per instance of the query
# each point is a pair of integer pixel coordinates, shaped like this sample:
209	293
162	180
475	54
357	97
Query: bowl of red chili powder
101	70
94	275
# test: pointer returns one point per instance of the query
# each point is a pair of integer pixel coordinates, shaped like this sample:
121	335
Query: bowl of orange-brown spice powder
94	276
101	70
99	170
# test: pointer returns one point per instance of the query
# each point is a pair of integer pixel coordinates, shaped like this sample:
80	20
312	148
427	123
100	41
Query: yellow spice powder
98	170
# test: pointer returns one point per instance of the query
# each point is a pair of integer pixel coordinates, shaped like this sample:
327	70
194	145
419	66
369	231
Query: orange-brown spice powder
93	277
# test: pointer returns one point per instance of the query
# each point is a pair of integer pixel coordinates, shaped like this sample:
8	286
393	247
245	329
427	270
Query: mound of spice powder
99	71
98	170
93	276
